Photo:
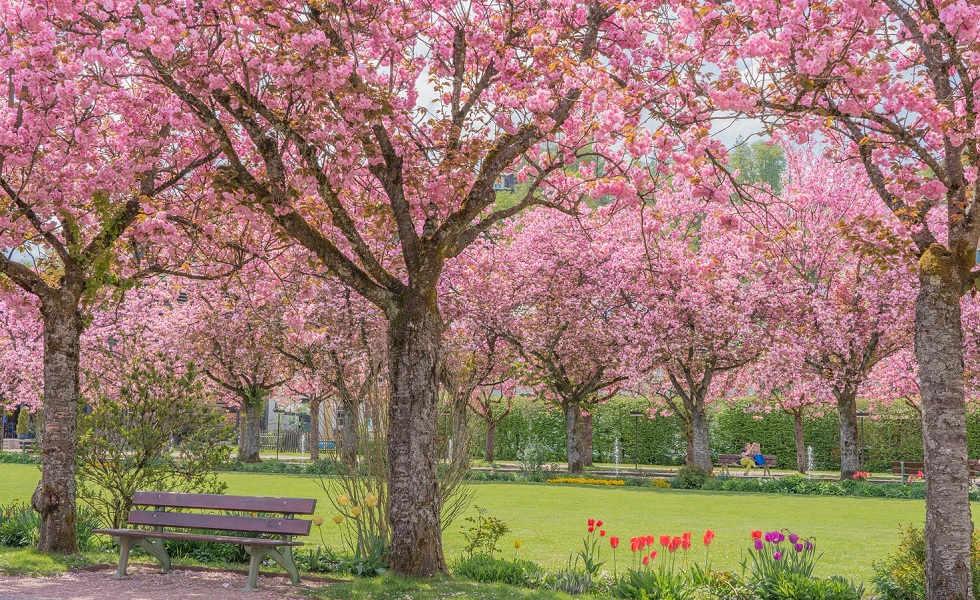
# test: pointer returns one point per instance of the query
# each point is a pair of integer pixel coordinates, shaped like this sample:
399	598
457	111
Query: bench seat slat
295	506
156	518
195	537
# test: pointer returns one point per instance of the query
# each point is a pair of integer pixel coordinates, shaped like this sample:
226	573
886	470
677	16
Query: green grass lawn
550	520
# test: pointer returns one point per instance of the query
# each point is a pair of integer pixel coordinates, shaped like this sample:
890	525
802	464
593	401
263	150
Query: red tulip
591	528
649	540
598	523
686	543
591	522
756	535
665	540
653	555
614	541
602	533
686	536
646	560
708	537
634	545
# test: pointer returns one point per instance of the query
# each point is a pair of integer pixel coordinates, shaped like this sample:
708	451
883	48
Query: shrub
652	584
483	534
902	576
691	477
19	527
532	458
20	458
570	580
784	585
659	482
148	430
23	421
487	569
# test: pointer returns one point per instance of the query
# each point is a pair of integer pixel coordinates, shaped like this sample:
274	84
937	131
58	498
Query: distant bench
279	547
908	469
731	460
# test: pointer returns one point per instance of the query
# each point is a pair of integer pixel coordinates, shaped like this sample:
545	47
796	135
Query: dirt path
144	584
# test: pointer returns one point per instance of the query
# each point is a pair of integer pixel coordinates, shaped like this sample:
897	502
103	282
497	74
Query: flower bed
586	480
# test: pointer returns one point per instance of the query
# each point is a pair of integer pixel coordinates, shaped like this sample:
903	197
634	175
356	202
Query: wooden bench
907	469
255	520
731	460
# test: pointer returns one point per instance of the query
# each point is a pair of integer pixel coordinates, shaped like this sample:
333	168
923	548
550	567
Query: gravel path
145	583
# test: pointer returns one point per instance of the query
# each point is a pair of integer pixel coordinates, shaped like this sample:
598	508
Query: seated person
751	457
745	457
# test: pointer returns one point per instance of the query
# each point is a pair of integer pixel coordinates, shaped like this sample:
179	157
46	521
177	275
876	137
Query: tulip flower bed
775	564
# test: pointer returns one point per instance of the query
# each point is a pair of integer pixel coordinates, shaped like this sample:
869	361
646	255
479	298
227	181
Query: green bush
902	576
270	465
796	586
652	584
691	477
19	458
20	528
147	429
487	569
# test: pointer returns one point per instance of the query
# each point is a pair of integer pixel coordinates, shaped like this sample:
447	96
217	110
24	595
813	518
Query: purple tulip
793	538
758	544
777	556
771	536
809	545
780	537
799	547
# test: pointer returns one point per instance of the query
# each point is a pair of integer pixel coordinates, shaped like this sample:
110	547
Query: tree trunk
850	453
700	446
54	498
414	337
251	441
315	403
348	442
800	446
587	450
491	440
939	351
574	440
461	438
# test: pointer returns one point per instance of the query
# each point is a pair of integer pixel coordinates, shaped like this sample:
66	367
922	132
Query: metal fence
286	440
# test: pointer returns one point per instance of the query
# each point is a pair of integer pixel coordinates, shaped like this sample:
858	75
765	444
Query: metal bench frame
152	541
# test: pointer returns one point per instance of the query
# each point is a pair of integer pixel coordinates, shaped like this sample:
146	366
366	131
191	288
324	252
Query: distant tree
759	162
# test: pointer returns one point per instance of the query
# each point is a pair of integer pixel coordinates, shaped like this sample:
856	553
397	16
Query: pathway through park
144	584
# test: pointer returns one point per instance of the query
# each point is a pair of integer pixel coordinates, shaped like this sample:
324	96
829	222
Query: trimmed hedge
895	435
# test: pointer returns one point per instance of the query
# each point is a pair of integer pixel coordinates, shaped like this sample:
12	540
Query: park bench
907	469
250	516
731	460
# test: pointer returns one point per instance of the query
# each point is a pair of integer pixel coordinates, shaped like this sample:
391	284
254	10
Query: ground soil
146	583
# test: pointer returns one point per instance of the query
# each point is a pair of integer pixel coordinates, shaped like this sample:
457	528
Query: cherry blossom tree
548	285
849	289
891	84
700	305
318	111
84	155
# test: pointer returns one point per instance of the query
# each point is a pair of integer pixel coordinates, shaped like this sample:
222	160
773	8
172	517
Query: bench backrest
909	467
734	458
250	523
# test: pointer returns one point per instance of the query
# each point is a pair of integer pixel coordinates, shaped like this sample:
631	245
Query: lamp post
636	414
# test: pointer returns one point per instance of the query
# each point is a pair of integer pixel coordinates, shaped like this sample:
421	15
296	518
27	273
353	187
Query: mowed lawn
550	519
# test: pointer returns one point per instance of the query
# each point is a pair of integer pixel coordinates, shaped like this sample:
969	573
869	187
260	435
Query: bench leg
284	557
158	550
124	545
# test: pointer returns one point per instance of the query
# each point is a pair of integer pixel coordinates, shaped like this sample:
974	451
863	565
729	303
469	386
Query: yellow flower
338	519
355	512
317	520
343	500
517	544
371	500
